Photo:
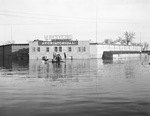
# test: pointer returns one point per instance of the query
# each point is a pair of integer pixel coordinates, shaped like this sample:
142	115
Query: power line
46	17
74	20
67	18
39	24
29	13
13	15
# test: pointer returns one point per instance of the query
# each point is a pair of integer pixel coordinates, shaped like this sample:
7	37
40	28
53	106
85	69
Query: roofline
20	44
12	45
112	44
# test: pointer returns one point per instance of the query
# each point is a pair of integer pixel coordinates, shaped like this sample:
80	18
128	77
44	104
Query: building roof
112	44
14	45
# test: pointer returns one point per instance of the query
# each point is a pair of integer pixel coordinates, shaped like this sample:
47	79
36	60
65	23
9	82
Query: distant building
97	49
14	52
73	49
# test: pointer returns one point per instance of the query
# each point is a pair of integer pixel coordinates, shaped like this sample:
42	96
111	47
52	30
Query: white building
73	49
96	49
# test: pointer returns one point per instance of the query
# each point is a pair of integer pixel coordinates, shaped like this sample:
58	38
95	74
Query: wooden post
149	58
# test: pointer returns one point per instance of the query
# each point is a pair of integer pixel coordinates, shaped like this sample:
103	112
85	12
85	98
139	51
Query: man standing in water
149	58
65	55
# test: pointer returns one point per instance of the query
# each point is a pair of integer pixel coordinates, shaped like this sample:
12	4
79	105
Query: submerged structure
112	51
14	52
74	49
67	49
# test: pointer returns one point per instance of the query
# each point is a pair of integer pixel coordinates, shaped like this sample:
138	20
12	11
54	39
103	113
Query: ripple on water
78	87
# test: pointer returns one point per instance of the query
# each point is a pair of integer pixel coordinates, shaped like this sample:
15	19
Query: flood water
75	88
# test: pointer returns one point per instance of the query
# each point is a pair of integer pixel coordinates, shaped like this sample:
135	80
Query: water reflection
77	87
107	62
69	70
6	63
14	64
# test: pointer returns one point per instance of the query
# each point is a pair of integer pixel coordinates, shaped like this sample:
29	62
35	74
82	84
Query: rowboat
56	61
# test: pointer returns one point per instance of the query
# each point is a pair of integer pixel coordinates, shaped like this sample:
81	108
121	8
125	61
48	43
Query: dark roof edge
13	44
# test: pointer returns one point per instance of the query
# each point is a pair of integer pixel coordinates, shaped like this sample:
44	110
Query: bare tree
9	42
145	46
129	36
107	41
138	44
120	40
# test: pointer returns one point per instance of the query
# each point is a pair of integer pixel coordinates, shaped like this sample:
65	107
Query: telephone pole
11	33
140	37
96	25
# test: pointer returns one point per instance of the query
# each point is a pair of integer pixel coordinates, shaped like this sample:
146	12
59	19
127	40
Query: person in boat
54	55
58	58
45	58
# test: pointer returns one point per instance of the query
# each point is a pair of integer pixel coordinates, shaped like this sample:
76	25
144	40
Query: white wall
92	51
119	56
96	51
75	53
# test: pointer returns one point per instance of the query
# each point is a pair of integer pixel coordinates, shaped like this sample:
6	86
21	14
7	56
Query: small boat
56	61
45	58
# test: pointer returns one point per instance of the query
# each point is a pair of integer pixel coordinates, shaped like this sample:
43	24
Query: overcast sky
26	20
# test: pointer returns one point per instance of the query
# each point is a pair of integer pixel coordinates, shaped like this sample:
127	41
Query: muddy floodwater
75	88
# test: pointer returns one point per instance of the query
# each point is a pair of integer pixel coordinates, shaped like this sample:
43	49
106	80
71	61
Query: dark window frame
47	49
38	49
79	49
60	49
84	49
55	49
69	49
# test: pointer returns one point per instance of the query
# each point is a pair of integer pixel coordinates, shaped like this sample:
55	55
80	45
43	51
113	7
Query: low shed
14	52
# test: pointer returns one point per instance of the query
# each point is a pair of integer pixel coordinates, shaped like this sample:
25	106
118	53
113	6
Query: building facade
72	49
97	50
14	51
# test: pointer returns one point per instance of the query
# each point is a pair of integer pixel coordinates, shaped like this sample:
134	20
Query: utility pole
96	24
140	42
140	37
11	33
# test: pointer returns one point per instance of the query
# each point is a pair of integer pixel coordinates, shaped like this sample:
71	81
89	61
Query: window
84	49
33	49
55	49
38	49
69	49
79	49
47	49
60	49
